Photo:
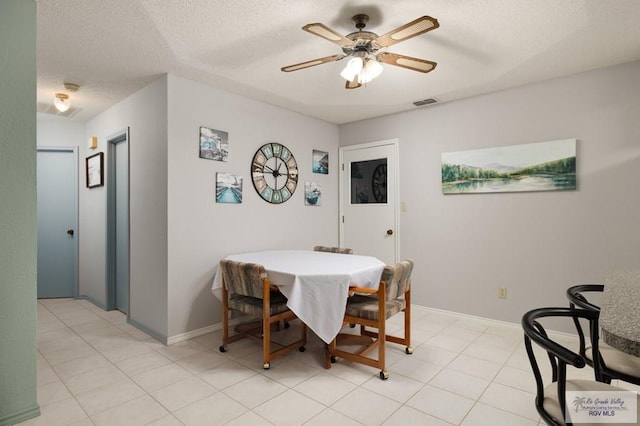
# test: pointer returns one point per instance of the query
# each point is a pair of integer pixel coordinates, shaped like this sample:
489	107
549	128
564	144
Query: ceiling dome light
62	102
353	68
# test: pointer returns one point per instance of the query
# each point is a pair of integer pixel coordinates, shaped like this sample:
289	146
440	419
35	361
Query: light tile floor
95	369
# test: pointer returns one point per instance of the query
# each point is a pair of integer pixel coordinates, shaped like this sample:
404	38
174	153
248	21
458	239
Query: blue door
57	173
118	222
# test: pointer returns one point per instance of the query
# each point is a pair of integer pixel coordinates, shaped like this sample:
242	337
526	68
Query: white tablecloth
316	284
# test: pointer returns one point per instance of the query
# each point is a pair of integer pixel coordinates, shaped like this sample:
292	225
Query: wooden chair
550	400
371	308
246	288
333	249
614	364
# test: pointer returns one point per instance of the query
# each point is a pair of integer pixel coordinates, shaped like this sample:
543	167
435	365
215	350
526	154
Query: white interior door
369	199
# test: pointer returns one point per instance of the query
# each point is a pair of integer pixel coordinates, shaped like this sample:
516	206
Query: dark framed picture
95	170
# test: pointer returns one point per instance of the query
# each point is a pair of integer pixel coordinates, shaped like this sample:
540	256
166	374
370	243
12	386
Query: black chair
614	364
550	400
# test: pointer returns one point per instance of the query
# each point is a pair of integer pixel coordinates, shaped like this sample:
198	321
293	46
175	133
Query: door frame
76	209
344	197
118	137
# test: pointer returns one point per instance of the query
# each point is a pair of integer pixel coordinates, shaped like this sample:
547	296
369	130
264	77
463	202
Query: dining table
316	284
620	312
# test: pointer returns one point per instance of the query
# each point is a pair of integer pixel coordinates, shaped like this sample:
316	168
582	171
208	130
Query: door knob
70	232
389	232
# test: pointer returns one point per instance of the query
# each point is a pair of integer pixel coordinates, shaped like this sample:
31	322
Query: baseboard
466	316
215	327
21	416
159	337
93	301
489	320
200	331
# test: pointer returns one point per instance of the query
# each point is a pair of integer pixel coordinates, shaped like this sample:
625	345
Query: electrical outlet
502	292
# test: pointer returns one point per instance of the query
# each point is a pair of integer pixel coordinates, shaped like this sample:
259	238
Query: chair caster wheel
333	359
266	365
352	325
223	349
408	350
302	349
384	375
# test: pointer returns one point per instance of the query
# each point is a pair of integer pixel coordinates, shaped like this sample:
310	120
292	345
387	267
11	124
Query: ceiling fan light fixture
362	47
61	101
371	70
353	68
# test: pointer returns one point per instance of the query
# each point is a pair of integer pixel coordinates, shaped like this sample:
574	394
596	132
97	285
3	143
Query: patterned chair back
243	278
397	278
341	250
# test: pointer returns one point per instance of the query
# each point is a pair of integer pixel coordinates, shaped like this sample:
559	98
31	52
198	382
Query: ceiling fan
363	49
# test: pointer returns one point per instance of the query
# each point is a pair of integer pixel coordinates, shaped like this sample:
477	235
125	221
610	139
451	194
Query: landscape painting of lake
542	166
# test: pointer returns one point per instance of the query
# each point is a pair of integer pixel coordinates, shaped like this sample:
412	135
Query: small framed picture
312	194
320	162
95	170
214	144
228	188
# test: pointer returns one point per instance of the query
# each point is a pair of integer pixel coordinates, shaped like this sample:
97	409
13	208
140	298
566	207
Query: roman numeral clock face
274	172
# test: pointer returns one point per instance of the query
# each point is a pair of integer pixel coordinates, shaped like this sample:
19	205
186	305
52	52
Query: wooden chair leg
225	320
329	350
266	330
382	337
407	323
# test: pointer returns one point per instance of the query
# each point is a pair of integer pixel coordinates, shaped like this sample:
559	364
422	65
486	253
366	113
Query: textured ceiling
112	48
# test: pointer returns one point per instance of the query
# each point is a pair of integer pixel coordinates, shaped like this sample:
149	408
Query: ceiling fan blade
328	34
312	63
405	32
415	64
353	84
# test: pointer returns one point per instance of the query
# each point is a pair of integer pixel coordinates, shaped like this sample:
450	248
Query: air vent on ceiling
46	108
427	101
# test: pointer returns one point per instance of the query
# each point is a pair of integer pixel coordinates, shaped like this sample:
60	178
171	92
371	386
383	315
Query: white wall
60	132
145	113
535	244
178	231
201	231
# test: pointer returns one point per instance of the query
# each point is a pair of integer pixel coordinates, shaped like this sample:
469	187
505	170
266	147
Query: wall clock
379	183
274	172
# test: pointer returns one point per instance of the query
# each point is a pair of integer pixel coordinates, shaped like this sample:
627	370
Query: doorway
57	213
369	199
118	222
